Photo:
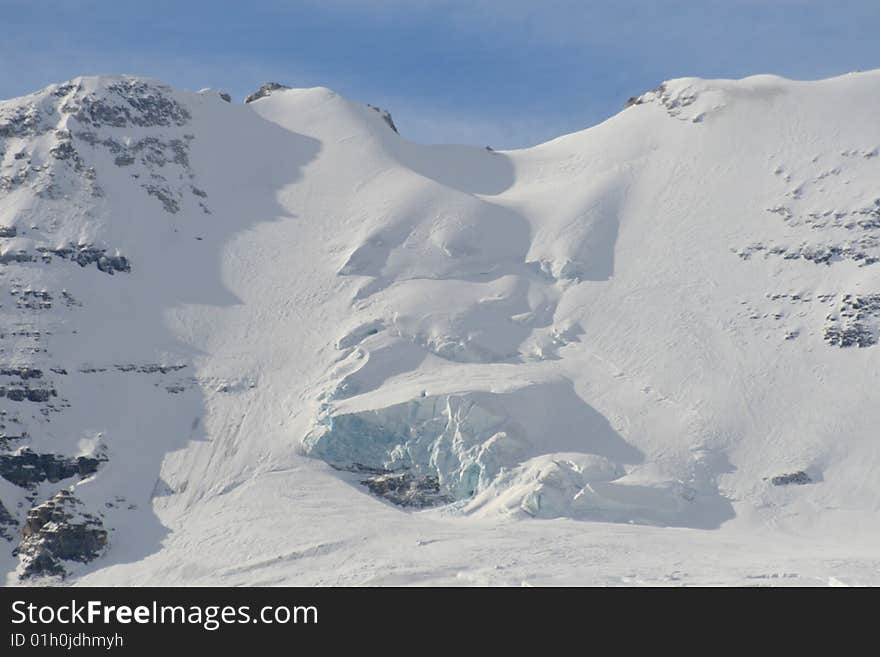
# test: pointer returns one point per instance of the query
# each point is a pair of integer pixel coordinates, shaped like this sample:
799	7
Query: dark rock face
87	254
8	231
854	335
33	299
149	150
152	368
56	531
64	150
22	122
831	237
822	254
225	96
26	393
7	440
856	322
16	256
633	100
265	90
129	103
386	116
800	478
847	235
169	203
23	373
82	254
646	97
662	95
126	103
7	523
156	154
407	490
27	468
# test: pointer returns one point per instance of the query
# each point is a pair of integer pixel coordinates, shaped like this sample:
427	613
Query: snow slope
277	343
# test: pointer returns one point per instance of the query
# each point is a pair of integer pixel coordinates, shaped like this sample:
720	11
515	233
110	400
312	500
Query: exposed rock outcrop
128	102
86	112
7	523
386	116
82	254
407	490
800	477
27	468
23	372
673	100
56	531
856	323
151	368
265	90
26	393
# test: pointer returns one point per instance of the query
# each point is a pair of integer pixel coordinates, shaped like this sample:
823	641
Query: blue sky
507	73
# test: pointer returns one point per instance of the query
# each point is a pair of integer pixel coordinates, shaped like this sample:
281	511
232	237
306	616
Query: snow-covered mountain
276	342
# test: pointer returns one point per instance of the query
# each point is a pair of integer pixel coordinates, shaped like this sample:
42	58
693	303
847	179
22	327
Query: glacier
276	342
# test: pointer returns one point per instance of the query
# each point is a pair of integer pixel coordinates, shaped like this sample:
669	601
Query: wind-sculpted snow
587	487
277	342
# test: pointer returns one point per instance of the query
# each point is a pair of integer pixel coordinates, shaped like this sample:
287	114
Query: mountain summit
276	342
